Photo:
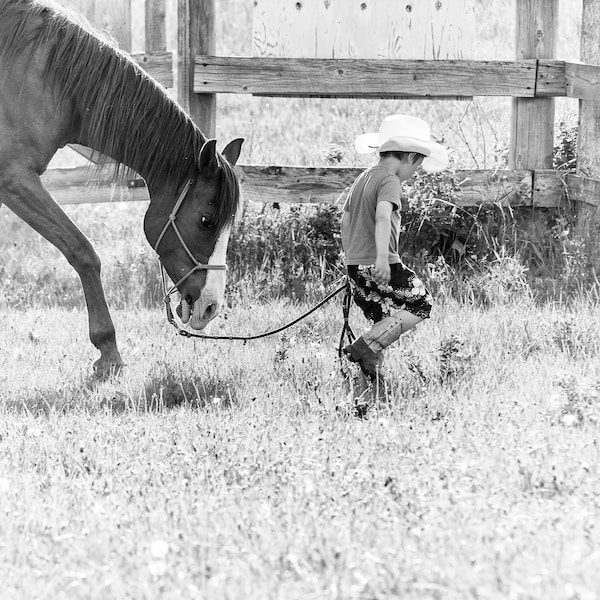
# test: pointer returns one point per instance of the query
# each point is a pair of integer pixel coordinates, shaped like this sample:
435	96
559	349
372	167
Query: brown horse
60	84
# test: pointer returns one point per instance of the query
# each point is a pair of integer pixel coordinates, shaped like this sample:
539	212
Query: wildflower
157	567
159	548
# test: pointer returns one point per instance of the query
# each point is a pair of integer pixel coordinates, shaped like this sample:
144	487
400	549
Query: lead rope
346	329
245	338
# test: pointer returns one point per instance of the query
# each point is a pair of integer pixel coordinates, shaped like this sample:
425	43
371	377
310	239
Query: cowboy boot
367	350
362	353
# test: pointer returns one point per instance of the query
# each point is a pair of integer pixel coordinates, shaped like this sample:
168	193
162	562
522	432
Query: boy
388	292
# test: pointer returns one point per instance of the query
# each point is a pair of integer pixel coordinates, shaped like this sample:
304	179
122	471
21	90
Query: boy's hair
401	155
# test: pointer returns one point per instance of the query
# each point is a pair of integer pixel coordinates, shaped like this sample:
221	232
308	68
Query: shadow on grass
166	390
171	390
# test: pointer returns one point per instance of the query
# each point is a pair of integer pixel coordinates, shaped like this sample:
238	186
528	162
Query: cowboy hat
403	133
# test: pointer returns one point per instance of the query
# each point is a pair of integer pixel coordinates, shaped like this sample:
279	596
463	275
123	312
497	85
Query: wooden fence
533	80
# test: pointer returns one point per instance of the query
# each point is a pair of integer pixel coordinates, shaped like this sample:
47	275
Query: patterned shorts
404	291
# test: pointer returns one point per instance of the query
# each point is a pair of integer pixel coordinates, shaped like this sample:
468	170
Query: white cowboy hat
403	133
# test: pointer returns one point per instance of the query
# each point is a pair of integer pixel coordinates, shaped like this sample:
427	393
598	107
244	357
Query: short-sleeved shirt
358	228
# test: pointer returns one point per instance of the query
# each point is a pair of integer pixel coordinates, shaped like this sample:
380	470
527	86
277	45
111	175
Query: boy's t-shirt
358	227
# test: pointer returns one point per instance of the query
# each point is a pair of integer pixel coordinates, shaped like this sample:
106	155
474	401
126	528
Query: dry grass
219	470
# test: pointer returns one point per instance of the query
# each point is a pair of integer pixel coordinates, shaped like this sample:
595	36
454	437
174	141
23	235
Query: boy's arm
383	231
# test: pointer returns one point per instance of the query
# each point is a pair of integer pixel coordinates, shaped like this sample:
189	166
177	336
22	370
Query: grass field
224	470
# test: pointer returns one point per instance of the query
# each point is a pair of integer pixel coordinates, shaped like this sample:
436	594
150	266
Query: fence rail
270	184
533	83
387	78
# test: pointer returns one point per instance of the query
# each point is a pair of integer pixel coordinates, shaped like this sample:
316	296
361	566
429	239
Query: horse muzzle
200	312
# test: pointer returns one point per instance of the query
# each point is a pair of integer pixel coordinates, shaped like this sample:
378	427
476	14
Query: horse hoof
104	369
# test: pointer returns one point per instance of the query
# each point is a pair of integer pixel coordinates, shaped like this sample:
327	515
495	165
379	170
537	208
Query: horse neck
127	116
149	157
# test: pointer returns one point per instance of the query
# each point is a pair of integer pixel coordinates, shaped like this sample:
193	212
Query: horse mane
122	110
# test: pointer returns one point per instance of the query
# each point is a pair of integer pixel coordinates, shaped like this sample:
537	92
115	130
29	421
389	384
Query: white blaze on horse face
208	306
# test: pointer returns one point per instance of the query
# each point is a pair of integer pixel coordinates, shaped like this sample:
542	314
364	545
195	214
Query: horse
61	83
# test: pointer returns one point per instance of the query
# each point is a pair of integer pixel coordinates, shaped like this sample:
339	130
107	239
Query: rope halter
198	266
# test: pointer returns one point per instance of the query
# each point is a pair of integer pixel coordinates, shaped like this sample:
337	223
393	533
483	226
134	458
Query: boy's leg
388	330
367	350
404	288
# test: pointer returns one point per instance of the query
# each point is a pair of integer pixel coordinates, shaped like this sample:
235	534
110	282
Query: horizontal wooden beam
582	81
551	79
326	184
82	185
318	185
386	78
157	64
366	78
583	189
548	189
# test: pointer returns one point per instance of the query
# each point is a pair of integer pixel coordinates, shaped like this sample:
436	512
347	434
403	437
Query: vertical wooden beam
588	141
156	31
532	125
114	18
196	35
588	160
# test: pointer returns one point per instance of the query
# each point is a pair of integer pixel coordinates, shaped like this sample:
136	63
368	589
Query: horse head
188	225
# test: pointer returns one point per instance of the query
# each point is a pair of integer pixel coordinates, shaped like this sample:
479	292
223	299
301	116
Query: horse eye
207	222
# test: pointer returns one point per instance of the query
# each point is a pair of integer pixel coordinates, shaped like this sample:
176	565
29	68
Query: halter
198	266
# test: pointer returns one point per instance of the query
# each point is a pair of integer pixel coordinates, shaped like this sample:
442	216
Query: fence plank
112	17
308	185
156	31
364	78
583	81
585	191
80	186
532	124
158	64
548	189
551	79
325	185
505	188
356	29
196	35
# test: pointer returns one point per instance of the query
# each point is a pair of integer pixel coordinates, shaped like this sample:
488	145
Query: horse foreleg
25	195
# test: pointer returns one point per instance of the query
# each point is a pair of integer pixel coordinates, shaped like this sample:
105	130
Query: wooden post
156	26
113	17
588	145
196	35
532	127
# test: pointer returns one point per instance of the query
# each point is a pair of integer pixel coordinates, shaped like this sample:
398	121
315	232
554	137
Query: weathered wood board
401	29
112	17
319	185
366	78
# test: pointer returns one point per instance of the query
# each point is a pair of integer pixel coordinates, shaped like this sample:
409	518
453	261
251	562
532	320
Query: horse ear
208	158
232	150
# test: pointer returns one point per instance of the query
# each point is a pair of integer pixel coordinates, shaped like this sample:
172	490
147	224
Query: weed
582	404
455	359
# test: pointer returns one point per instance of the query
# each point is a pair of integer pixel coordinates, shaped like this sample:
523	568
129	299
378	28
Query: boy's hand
382	272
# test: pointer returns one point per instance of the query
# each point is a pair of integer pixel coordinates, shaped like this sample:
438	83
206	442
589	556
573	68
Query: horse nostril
211	311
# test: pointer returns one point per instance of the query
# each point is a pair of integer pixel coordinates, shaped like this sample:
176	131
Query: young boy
388	292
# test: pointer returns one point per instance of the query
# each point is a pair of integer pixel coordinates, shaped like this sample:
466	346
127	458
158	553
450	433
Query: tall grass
221	471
